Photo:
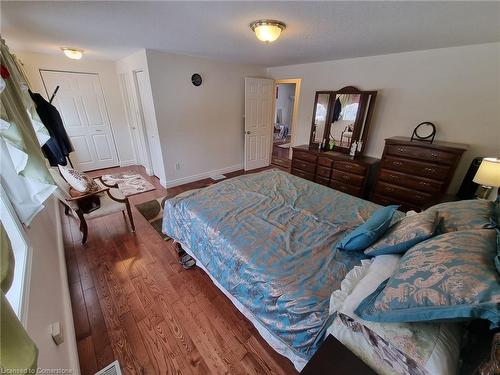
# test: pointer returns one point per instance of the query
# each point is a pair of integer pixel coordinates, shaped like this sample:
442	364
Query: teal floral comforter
269	239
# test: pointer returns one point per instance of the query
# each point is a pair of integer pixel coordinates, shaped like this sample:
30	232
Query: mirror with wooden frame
341	118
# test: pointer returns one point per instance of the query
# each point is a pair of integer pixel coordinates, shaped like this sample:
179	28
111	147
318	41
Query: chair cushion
406	233
108	205
448	277
370	231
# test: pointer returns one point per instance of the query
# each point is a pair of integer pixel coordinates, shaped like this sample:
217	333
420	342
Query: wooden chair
111	201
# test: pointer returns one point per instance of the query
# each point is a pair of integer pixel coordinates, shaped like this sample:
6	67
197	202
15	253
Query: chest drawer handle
401	149
393	177
389	189
419	197
347	178
397	163
348	166
434	155
424	183
430	170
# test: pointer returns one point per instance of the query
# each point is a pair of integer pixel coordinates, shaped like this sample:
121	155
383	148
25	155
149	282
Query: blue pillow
370	231
405	234
448	277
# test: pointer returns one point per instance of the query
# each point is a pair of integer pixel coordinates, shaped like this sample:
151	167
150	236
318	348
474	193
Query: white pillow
435	347
78	180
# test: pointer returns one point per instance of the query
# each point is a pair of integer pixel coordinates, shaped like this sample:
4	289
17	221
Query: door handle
98	130
247	132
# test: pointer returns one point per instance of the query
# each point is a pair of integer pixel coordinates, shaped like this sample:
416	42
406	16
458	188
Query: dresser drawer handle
401	149
419	197
397	163
348	166
389	189
434	155
430	170
393	177
347	178
424	183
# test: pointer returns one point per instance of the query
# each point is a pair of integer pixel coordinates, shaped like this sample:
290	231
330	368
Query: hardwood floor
132	301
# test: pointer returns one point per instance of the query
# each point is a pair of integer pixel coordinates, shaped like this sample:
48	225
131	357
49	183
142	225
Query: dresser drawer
322	180
326	162
304	165
347	178
349	189
417	183
350	167
404	194
299	173
418	152
323	171
436	172
303	155
385	201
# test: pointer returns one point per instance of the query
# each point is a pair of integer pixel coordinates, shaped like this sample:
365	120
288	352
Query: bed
268	241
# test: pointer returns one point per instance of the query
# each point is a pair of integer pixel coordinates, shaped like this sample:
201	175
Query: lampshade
72	53
488	173
267	30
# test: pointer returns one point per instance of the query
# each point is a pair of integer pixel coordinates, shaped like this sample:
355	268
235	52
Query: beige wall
201	128
33	62
458	89
49	299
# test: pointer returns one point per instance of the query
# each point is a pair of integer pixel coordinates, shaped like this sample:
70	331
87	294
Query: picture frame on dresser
415	174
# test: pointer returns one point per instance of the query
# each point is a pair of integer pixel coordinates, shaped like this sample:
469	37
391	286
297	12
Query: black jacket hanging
59	146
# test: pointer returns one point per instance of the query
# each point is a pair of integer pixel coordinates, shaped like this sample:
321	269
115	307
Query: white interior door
259	99
146	112
135	123
80	102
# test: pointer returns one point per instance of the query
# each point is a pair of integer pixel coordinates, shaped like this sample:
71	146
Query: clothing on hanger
58	148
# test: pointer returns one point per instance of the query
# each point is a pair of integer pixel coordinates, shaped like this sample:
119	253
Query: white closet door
259	102
80	102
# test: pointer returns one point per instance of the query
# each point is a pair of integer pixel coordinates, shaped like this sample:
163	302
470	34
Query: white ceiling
316	31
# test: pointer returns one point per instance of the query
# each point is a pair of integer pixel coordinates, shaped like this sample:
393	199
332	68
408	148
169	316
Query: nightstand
333	358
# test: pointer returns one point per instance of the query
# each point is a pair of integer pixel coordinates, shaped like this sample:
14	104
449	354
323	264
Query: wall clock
196	79
425	131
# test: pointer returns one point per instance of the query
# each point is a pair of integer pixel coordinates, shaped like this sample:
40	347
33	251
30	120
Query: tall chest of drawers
334	169
415	174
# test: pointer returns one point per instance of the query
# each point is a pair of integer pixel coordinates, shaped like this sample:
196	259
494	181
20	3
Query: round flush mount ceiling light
72	53
267	30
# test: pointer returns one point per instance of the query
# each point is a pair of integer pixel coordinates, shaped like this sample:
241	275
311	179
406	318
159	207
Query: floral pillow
464	215
78	180
406	233
448	277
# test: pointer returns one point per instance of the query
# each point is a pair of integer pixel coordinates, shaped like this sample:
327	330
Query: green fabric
17	350
25	177
7	260
21	133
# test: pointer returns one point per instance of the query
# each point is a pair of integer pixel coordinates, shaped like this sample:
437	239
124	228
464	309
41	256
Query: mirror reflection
320	117
345	112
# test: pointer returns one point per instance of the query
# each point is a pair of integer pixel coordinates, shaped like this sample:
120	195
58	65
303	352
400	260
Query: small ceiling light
267	30
72	53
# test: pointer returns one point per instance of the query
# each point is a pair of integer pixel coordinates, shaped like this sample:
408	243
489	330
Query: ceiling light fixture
72	53
267	30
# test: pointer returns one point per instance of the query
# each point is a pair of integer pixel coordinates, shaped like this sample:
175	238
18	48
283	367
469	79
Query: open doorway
285	118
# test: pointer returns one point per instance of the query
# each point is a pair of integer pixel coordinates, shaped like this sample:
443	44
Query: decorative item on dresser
415	174
334	169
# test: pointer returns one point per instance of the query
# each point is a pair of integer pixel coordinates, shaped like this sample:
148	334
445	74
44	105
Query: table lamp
488	176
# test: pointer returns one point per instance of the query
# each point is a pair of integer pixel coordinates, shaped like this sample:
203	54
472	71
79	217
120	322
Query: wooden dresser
415	174
334	169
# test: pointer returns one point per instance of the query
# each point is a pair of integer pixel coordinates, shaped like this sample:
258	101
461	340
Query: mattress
268	240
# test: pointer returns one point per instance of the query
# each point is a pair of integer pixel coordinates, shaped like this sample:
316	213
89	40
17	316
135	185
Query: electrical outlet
177	166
